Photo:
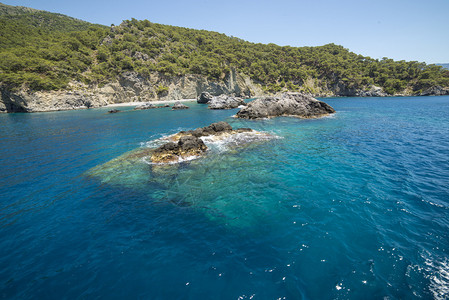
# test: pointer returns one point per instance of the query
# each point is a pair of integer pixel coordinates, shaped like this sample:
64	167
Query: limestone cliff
128	87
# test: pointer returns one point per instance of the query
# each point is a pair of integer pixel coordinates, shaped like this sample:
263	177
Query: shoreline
152	102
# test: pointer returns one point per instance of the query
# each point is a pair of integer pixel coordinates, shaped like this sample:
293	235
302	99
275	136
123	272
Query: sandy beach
153	102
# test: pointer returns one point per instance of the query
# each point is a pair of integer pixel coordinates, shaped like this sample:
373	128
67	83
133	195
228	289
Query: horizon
370	30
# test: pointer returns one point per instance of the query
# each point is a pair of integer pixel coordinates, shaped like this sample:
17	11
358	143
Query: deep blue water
353	206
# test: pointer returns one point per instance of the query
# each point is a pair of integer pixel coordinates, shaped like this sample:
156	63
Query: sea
350	206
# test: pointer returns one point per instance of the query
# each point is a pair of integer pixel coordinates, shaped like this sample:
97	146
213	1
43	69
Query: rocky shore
127	87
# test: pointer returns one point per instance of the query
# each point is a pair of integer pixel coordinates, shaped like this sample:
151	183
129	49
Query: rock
288	104
171	152
212	129
145	106
186	144
225	102
128	86
114	111
435	91
374	91
179	105
204	98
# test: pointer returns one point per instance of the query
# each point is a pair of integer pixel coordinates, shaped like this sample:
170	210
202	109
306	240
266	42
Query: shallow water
351	206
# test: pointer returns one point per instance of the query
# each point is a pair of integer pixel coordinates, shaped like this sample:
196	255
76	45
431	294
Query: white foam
180	160
225	142
439	277
215	143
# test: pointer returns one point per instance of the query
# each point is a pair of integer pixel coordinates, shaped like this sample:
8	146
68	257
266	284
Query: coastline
152	102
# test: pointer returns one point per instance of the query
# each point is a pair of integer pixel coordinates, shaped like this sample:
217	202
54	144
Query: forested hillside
45	51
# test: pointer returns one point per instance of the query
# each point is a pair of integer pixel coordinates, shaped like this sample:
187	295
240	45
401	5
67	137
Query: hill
43	51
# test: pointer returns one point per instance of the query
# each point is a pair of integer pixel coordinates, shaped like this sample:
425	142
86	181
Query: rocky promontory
288	104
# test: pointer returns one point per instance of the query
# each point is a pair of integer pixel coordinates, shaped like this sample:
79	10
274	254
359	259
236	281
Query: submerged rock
179	105
225	102
288	104
114	111
204	98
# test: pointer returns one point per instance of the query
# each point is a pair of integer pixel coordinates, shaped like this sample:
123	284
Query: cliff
128	87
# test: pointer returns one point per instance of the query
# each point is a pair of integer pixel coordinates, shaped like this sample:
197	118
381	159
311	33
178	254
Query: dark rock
220	126
191	143
225	102
204	98
173	152
288	104
179	105
113	111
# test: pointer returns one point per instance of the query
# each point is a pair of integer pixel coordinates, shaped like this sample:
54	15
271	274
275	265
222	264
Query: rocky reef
288	104
188	144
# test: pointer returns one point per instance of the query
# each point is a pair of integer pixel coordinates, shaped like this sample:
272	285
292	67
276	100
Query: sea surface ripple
351	206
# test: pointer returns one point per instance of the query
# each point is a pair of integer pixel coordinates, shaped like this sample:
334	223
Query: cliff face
129	87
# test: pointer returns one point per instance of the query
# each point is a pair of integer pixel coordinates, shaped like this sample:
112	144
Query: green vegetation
44	51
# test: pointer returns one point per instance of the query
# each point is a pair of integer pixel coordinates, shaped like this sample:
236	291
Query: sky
411	30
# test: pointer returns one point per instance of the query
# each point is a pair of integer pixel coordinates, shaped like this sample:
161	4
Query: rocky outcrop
186	144
204	98
288	104
171	152
218	128
179	105
114	111
127	87
374	91
435	91
225	102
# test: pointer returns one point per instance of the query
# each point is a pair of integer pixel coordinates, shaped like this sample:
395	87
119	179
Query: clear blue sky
398	29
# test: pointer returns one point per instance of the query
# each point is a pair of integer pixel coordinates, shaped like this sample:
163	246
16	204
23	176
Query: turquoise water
353	206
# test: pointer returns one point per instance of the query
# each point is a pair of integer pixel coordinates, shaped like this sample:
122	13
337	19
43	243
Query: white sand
153	102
